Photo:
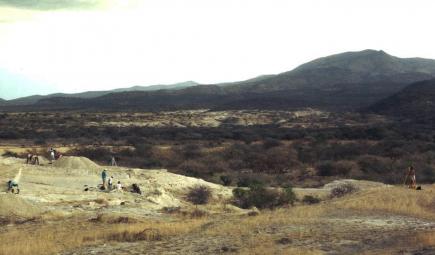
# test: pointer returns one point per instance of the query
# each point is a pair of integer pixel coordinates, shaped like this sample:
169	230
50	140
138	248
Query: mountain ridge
93	94
344	81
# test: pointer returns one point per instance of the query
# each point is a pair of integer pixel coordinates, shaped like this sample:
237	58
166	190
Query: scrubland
169	153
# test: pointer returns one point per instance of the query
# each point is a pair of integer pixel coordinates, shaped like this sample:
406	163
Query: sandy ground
57	188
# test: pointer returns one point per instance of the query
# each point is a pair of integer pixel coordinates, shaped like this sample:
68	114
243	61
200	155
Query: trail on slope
17	177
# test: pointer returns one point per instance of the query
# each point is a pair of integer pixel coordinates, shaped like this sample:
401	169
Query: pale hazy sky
79	45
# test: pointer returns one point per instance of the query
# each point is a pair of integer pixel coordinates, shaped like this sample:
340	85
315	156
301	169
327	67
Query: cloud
53	4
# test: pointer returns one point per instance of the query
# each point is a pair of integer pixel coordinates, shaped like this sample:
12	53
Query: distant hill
93	94
346	81
415	102
256	79
175	86
351	79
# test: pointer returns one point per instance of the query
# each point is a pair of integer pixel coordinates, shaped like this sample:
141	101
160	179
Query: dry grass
54	238
266	245
254	232
247	225
396	200
414	241
250	234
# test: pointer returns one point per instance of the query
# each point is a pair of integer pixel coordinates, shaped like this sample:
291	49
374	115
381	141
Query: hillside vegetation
416	102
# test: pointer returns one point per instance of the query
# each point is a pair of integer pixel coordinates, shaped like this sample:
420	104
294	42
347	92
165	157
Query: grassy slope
253	235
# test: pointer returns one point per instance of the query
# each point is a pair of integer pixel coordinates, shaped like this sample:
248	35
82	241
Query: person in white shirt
113	161
110	182
119	186
52	158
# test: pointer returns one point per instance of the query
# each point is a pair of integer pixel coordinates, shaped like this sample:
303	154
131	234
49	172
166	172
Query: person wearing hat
104	176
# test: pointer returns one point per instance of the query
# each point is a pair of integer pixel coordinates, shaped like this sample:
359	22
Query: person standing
113	161
35	160
410	173
104	176
52	158
110	182
29	158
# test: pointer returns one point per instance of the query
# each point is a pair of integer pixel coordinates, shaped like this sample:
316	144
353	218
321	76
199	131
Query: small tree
287	196
226	180
199	195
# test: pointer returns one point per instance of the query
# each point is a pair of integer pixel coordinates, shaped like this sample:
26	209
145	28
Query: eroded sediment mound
75	163
359	184
14	206
9	161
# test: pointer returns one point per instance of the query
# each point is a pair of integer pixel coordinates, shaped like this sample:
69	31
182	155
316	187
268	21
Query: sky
70	46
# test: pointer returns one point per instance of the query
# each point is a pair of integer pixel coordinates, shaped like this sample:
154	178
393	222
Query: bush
226	180
10	154
247	181
242	198
263	198
343	189
310	200
287	196
199	195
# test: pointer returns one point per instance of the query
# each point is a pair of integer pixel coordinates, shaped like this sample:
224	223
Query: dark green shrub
263	198
287	196
242	198
310	200
10	154
226	180
246	181
199	195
